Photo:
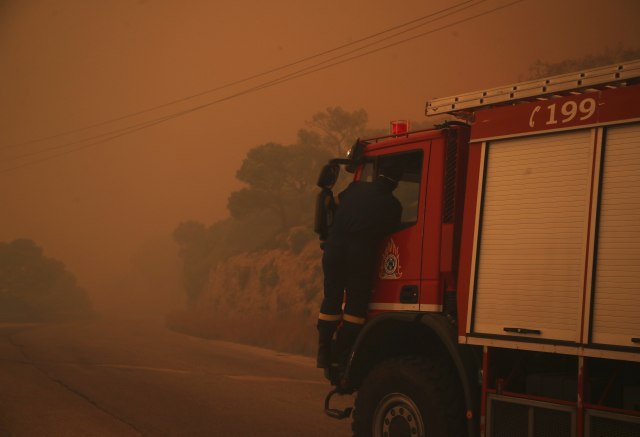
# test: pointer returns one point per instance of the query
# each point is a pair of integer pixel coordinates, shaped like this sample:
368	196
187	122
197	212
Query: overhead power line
269	83
239	81
297	74
304	71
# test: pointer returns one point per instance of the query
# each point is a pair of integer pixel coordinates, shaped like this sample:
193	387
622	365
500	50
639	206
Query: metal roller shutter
616	307
532	248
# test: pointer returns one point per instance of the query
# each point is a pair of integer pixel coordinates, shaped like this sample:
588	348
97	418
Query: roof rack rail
599	77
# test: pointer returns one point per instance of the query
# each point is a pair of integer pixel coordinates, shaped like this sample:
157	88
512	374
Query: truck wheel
410	396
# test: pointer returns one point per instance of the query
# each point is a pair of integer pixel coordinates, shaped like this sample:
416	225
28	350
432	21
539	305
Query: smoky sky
65	65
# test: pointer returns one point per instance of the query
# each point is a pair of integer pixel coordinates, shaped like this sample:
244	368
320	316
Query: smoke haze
107	211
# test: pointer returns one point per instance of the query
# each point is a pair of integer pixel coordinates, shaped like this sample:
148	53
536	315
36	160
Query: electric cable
64	145
302	72
235	82
286	78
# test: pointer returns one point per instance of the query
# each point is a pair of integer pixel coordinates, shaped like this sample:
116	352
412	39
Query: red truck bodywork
423	303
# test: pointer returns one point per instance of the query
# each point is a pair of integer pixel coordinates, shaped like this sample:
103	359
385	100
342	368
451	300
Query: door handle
409	294
522	330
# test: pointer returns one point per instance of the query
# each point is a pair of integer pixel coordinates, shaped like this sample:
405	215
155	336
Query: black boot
345	338
325	337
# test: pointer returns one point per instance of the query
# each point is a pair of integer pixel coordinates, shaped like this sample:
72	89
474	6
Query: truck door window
408	190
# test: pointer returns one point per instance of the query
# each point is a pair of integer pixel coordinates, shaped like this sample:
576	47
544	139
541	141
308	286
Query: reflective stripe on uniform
330	317
353	319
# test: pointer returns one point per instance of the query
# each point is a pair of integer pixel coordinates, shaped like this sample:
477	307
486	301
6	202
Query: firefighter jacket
367	212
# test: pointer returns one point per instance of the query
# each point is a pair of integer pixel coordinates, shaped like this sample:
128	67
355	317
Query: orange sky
69	64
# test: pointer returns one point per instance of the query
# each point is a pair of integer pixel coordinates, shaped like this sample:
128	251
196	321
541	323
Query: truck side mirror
328	176
355	155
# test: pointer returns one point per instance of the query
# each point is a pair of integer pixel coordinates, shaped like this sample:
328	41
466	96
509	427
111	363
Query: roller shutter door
616	298
532	245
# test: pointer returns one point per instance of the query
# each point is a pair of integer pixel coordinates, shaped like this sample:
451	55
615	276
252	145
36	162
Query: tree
192	239
36	287
279	195
281	180
609	56
339	128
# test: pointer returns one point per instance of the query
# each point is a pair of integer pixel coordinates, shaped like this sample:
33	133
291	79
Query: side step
335	413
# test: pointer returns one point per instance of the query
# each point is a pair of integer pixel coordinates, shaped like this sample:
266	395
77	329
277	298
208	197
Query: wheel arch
410	333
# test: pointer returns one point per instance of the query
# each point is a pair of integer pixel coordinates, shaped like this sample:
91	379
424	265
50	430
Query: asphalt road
132	378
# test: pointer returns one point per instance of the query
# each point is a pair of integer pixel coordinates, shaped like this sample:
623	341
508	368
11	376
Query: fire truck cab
508	302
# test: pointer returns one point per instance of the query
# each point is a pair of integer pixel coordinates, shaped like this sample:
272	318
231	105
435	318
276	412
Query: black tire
410	396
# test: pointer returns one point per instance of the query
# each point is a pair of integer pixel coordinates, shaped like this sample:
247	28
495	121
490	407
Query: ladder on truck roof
594	78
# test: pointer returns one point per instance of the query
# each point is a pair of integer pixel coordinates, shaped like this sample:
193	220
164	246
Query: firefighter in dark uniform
366	213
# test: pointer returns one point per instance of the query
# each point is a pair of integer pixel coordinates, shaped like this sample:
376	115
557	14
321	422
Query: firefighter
366	213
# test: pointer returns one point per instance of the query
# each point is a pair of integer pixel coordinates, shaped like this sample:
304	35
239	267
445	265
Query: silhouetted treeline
544	68
34	287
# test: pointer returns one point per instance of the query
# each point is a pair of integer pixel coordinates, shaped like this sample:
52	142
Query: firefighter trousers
348	274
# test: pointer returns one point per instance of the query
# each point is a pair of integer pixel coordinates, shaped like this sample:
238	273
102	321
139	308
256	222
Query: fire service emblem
390	266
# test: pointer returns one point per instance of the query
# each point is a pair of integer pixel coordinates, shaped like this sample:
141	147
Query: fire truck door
397	281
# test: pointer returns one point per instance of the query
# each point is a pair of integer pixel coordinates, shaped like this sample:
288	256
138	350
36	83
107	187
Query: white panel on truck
532	240
616	288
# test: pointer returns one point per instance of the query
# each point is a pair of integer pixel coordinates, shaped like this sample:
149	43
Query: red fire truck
508	303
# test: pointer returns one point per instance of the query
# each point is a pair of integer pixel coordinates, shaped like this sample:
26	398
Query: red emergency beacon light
398	127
